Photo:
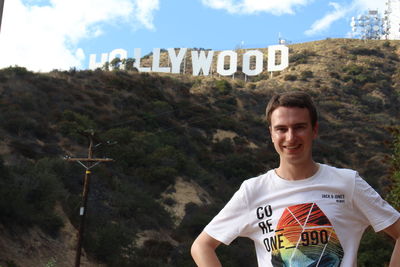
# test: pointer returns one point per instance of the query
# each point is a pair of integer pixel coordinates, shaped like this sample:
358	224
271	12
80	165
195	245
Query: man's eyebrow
294	125
301	124
279	126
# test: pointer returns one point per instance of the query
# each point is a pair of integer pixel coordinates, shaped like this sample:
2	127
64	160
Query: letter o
246	62
268	211
267	244
232	63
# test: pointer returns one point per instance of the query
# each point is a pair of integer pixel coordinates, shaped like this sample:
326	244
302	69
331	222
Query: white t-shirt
316	221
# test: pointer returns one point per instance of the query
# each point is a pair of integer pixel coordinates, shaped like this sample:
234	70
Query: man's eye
300	127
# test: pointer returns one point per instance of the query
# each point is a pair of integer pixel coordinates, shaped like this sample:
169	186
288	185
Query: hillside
181	144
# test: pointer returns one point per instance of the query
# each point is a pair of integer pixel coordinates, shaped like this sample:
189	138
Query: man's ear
270	133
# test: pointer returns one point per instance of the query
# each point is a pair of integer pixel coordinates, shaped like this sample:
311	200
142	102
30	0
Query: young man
303	213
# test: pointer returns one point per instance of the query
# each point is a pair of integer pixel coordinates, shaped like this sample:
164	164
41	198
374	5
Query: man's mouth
293	147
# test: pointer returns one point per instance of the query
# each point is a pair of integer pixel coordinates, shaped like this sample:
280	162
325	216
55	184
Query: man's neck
294	172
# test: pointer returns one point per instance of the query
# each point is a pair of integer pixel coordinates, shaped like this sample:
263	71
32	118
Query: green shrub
20	124
224	146
353	69
28	195
107	242
375	103
223	87
290	77
73	123
304	75
367	52
360	75
260	77
228	103
375	249
17	70
237	167
394	195
155	249
134	204
386	44
362	79
161	107
302	57
9	263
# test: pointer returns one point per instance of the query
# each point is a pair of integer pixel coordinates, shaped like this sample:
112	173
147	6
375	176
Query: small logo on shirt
338	197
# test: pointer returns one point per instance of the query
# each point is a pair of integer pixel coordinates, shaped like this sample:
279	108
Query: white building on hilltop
392	20
369	26
372	26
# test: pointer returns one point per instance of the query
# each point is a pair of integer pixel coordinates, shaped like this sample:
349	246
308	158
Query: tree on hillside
116	63
394	195
376	249
129	64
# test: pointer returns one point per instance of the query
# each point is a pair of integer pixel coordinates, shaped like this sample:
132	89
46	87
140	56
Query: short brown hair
297	99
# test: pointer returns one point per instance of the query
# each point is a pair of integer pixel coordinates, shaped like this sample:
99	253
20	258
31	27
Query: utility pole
88	163
1	11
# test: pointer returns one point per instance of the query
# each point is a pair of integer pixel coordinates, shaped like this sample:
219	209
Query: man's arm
394	232
203	251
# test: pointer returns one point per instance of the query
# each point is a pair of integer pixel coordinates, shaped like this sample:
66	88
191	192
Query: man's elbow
200	251
194	249
203	251
204	242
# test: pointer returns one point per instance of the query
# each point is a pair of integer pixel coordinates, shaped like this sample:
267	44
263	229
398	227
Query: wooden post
90	163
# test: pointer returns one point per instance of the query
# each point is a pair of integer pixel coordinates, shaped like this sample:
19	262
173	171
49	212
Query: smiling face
292	134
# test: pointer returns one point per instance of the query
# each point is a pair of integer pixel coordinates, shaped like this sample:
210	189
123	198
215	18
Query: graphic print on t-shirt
308	238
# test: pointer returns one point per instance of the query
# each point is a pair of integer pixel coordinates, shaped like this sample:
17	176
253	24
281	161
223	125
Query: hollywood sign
227	60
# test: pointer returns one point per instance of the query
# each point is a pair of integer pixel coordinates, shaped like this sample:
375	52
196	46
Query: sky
43	35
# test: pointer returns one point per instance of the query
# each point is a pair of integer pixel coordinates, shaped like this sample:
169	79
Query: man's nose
290	135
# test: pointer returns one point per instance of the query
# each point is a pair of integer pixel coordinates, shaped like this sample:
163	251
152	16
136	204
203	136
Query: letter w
201	62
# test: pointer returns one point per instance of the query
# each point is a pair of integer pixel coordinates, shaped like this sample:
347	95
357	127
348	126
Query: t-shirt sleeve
377	211
230	222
